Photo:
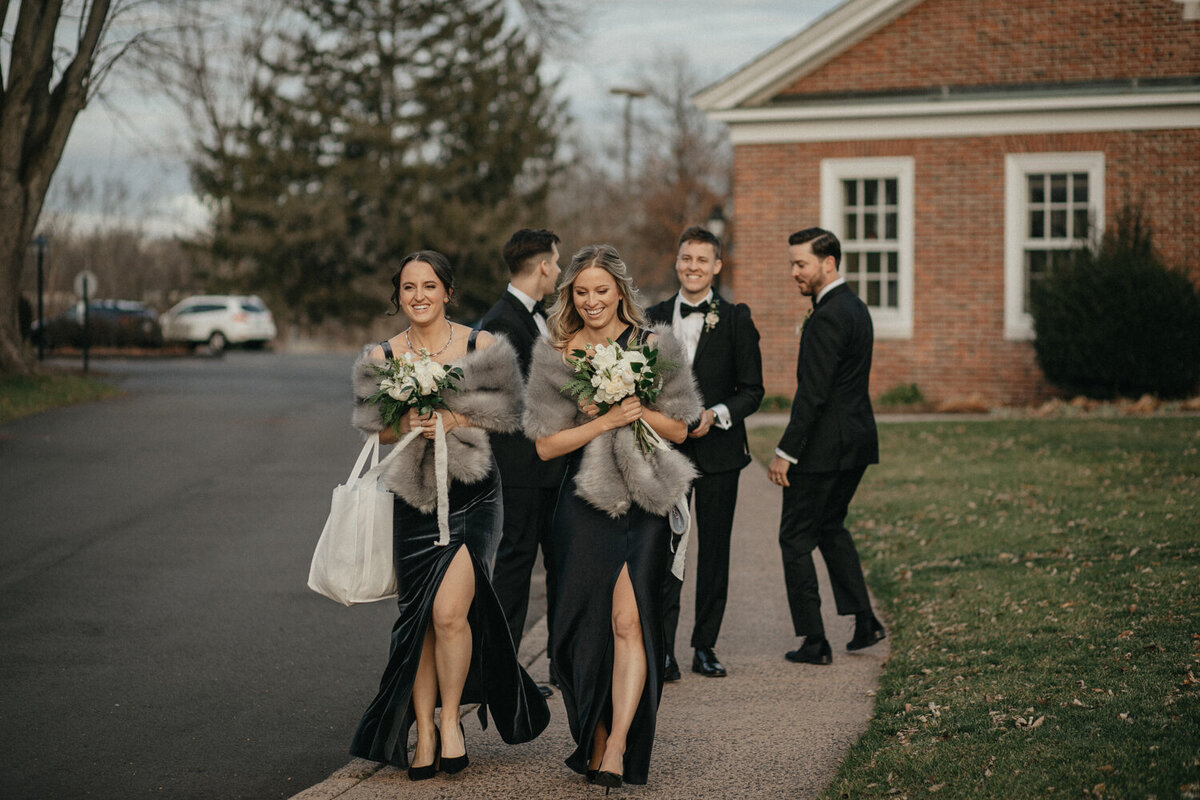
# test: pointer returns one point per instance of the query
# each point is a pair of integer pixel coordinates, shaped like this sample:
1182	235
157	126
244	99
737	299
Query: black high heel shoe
609	780
429	770
450	766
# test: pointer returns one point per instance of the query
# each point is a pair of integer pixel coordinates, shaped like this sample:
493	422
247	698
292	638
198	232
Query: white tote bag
353	560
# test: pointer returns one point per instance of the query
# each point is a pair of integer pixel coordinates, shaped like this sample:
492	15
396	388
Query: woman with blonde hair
610	526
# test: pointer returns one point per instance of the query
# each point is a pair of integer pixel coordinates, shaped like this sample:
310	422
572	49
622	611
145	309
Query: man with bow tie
722	344
825	449
529	485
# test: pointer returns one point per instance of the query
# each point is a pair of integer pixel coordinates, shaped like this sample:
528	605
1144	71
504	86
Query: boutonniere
713	315
807	317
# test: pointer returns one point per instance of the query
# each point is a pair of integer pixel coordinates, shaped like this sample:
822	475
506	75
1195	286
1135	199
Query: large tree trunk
35	121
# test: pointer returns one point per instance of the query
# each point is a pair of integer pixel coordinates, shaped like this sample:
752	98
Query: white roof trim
815	123
820	42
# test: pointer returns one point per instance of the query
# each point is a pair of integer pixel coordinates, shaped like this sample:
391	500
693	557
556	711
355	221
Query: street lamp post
40	242
716	222
630	96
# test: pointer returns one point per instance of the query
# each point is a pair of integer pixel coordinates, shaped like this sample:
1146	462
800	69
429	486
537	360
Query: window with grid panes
870	241
1054	203
1058	221
868	203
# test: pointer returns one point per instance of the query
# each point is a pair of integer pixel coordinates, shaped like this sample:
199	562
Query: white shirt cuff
785	456
722	416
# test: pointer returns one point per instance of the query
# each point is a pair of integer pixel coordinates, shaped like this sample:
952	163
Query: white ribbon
681	508
439	469
443	482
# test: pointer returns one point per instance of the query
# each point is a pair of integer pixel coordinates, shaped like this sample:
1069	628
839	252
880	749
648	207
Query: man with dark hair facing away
825	449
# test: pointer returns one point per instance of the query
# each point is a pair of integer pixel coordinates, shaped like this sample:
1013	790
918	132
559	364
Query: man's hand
707	418
778	471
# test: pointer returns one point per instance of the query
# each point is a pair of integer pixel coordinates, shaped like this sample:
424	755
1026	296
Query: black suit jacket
515	454
832	425
728	369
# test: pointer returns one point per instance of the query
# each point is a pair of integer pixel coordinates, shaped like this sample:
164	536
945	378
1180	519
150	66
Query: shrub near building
1117	322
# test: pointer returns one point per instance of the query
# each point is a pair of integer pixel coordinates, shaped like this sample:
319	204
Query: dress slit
495	679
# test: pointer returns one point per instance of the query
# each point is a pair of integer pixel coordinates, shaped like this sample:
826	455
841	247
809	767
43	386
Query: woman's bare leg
424	698
629	670
452	645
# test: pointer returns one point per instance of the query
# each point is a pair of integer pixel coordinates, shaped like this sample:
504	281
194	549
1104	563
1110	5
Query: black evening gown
590	548
495	679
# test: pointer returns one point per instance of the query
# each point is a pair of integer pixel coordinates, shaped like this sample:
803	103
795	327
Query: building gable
896	47
956	46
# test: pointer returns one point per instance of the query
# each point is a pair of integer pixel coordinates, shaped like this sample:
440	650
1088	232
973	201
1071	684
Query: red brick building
958	148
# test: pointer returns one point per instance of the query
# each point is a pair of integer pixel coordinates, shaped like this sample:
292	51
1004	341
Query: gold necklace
408	341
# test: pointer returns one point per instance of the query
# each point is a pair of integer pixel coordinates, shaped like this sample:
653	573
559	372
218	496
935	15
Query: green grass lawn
1040	581
28	394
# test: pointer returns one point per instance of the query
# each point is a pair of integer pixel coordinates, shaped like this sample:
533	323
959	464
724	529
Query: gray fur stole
489	395
613	472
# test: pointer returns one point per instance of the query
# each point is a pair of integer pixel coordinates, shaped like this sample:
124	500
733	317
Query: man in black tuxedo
530	485
722	342
826	447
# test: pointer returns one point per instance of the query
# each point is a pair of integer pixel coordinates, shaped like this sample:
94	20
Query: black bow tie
685	309
539	308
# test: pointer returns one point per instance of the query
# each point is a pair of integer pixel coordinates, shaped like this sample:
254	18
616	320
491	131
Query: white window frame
1018	323
890	323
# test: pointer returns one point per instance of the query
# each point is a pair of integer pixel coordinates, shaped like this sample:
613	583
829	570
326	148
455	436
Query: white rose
615	390
400	391
428	373
605	358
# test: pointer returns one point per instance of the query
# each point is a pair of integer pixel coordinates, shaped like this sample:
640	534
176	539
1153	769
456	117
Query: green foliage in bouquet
411	382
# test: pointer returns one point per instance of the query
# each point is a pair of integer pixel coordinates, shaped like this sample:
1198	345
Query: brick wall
970	43
957	349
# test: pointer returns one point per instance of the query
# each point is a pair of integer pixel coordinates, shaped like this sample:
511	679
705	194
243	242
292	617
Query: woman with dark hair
610	525
450	644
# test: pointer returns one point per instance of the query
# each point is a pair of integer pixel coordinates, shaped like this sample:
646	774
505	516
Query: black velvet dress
495	679
590	548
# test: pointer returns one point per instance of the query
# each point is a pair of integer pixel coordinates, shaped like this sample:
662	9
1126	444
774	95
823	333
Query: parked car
110	323
219	320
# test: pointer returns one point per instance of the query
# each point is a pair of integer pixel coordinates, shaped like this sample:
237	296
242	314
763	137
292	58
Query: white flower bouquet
608	373
412	381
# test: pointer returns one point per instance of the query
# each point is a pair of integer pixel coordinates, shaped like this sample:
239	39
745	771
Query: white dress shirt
529	303
688	329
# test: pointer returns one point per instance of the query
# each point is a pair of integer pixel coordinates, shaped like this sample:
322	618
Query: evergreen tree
380	128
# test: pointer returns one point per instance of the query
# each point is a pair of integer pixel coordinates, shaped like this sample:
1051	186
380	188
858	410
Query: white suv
219	320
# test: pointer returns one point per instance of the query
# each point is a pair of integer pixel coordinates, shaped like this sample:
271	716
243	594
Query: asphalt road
156	633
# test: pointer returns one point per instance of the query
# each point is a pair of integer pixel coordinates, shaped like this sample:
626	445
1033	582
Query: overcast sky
139	139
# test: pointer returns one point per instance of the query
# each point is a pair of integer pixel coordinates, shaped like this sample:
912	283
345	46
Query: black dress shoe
706	663
452	766
545	690
815	650
670	669
429	770
866	633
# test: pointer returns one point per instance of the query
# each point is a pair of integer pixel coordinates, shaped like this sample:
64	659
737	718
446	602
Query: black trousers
715	496
528	514
814	516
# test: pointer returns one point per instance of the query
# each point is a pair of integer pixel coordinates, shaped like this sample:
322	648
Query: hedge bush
1117	321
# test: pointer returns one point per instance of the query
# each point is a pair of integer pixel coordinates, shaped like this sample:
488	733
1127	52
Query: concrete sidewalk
771	729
